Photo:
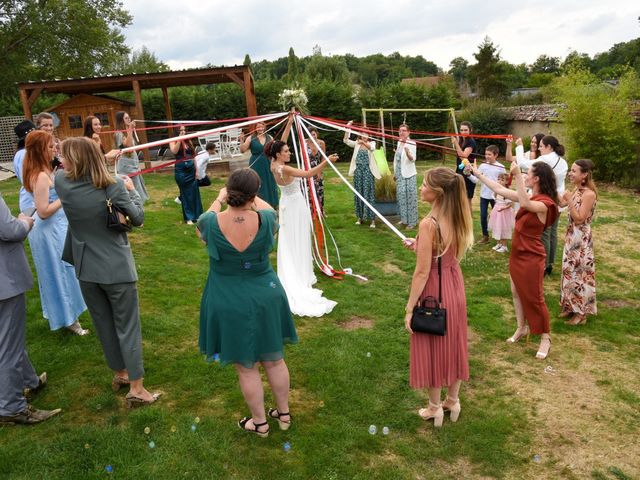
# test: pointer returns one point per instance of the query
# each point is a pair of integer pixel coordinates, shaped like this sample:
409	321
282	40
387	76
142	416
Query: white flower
293	98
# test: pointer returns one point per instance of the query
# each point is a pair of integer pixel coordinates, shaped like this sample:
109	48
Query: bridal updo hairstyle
242	187
271	149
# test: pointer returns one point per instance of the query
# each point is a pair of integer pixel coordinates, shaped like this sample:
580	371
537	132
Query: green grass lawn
575	415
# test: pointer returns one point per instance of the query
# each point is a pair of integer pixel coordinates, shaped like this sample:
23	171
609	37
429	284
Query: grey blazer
98	254
15	274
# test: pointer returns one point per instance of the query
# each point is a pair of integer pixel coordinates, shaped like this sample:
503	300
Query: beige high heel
542	352
453	407
429	413
519	333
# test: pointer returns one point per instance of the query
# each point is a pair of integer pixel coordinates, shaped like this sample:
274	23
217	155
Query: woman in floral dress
578	288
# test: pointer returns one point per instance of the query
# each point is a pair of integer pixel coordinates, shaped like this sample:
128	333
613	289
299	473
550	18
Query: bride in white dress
295	263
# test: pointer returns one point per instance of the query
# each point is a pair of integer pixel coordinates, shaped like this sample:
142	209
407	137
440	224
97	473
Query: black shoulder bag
117	218
429	316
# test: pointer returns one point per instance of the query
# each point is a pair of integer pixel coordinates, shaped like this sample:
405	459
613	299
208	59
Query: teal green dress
244	313
262	166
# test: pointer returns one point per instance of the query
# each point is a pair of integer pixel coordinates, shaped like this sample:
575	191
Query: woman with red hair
60	293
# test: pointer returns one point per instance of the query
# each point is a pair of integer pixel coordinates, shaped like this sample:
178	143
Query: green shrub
599	124
386	188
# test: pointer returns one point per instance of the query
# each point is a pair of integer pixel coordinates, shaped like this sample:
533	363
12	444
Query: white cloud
194	33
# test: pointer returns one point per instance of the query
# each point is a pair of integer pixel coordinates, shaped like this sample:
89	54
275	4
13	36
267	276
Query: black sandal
243	425
284	424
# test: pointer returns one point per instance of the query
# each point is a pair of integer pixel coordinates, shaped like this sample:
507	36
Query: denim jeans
484	210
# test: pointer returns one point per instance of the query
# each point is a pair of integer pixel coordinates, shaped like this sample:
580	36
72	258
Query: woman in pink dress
447	232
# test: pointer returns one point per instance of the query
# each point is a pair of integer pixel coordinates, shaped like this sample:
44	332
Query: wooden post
26	107
167	109
143	134
249	94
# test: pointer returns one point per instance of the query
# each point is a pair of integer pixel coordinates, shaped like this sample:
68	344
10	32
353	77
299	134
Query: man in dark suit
16	371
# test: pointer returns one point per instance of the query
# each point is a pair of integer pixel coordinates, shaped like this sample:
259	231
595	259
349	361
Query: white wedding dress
295	263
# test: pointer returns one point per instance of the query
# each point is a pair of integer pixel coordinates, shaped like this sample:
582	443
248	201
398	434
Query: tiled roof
534	113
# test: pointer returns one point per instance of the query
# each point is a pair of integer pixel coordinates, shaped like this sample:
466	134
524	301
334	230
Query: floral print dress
578	289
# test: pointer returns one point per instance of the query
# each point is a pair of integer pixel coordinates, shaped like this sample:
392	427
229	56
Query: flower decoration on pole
293	98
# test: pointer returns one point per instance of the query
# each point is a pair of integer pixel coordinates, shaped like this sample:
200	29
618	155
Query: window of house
75	121
104	118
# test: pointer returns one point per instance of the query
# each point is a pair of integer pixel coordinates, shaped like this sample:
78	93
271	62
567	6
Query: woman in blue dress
261	164
185	175
60	293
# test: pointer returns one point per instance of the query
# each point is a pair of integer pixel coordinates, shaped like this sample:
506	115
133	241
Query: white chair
215	138
233	142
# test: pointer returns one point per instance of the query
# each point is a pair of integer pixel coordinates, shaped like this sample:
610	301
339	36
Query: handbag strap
439	257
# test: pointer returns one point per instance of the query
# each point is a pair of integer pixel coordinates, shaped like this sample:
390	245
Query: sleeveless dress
364	183
318	182
436	361
60	294
527	263
127	164
244	314
295	262
501	223
262	166
578	289
185	176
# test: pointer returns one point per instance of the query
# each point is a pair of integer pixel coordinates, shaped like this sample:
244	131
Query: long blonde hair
451	198
83	159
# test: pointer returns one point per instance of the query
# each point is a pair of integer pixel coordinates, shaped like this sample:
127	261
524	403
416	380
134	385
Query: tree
292	66
247	60
576	61
487	73
58	39
599	123
459	69
546	64
327	68
142	61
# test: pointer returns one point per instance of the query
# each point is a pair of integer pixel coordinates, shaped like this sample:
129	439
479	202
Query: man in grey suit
16	371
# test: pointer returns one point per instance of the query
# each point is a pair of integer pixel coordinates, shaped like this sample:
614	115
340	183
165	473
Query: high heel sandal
243	426
284	424
542	353
565	314
453	407
118	382
520	332
135	402
428	414
577	320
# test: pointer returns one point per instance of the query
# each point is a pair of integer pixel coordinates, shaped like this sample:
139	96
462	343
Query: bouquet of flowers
293	98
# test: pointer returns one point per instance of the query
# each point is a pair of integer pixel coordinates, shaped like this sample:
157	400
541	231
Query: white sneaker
178	201
496	247
502	249
358	222
373	225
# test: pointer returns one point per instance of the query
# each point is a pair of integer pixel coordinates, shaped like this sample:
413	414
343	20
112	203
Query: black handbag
117	219
204	181
430	317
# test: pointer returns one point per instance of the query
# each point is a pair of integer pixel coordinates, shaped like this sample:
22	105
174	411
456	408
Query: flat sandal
283	424
243	426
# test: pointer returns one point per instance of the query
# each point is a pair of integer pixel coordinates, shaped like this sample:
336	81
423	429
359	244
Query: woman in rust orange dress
527	260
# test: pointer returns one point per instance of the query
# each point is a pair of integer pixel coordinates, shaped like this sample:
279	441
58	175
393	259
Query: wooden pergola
241	75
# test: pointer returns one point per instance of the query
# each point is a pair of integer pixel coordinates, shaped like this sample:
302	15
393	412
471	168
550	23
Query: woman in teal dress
185	176
260	163
244	314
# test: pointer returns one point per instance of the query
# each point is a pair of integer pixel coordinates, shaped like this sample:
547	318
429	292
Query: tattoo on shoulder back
238	219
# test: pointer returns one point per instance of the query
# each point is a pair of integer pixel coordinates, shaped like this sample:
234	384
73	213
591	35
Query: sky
193	33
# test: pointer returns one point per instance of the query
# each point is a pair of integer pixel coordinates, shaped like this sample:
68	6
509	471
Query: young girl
502	219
